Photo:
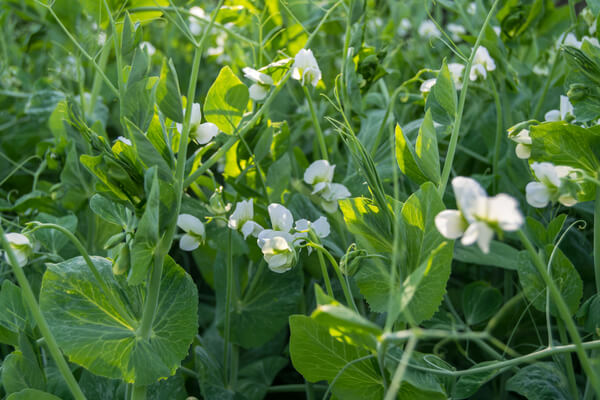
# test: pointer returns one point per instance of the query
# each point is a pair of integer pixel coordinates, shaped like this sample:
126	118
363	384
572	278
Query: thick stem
151	302
564	313
315	120
228	301
33	306
461	105
401	369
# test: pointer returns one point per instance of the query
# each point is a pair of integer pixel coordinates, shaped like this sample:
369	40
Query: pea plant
273	199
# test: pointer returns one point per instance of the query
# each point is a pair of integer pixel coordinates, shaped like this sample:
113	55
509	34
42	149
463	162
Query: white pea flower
278	253
124	140
331	194
194	232
404	27
427	85
478	215
472	8
21	247
319	172
497	30
149	48
523	140
202	133
429	30
482	63
305	68
563	114
101	38
262	82
320	226
549	189
281	217
456	73
195	27
241	218
455	31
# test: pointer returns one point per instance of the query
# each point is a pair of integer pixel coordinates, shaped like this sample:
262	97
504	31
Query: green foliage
226	101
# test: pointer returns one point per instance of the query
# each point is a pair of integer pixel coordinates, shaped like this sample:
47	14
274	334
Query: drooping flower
21	247
551	185
202	133
331	194
241	218
262	82
427	85
564	113
305	68
478	215
456	73
320	175
482	64
149	48
320	226
455	31
195	232
429	30
523	140
278	253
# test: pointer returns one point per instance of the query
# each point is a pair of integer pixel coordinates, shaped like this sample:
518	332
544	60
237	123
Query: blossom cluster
320	175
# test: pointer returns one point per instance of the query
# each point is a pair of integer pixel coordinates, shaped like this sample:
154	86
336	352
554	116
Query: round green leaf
93	334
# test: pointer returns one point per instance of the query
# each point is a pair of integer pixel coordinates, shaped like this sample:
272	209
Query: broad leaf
32	394
480	301
168	95
540	381
226	101
370	226
500	255
441	100
109	210
319	356
93	334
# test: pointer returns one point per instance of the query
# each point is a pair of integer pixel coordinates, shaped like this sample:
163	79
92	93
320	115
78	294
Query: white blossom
149	48
429	30
305	68
278	253
262	82
427	85
478	215
331	194
482	63
21	247
456	73
564	113
195	27
319	171
472	8
455	31
549	187
523	140
320	226
241	218
202	133
404	27
194	232
281	217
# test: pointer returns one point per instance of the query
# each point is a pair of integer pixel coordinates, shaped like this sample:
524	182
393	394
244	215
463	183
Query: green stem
250	124
31	302
499	133
294	388
597	238
572	12
325	274
315	120
120	77
568	361
401	369
564	313
118	305
461	105
151	302
228	295
138	393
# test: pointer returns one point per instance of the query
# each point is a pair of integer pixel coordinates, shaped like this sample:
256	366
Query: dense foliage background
98	100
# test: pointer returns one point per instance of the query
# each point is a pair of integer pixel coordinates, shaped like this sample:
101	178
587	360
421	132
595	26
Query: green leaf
149	155
168	95
14	314
94	335
441	100
564	275
406	158
52	239
109	210
265	306
226	101
20	372
562	143
278	178
468	385
426	149
128	37
500	255
589	314
365	221
319	356
138	105
140	67
540	381
32	394
480	301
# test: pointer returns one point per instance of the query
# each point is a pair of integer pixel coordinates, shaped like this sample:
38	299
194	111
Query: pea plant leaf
441	100
168	95
93	334
226	101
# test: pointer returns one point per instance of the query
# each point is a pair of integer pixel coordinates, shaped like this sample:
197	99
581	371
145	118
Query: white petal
274	245
281	217
188	243
302	225
567	200
552	115
450	223
504	210
427	85
468	193
329	206
319	171
478	232
244	211
523	151
198	12
336	191
267	234
321	227
257	76
196	117
537	194
521	137
205	132
189	223
477	70
546	173
566	108
321	187
257	92
18	239
251	228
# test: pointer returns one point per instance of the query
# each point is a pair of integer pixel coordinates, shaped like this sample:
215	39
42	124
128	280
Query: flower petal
205	132
188	243
251	228
450	223
504	209
537	194
189	223
281	217
257	92
319	171
468	193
